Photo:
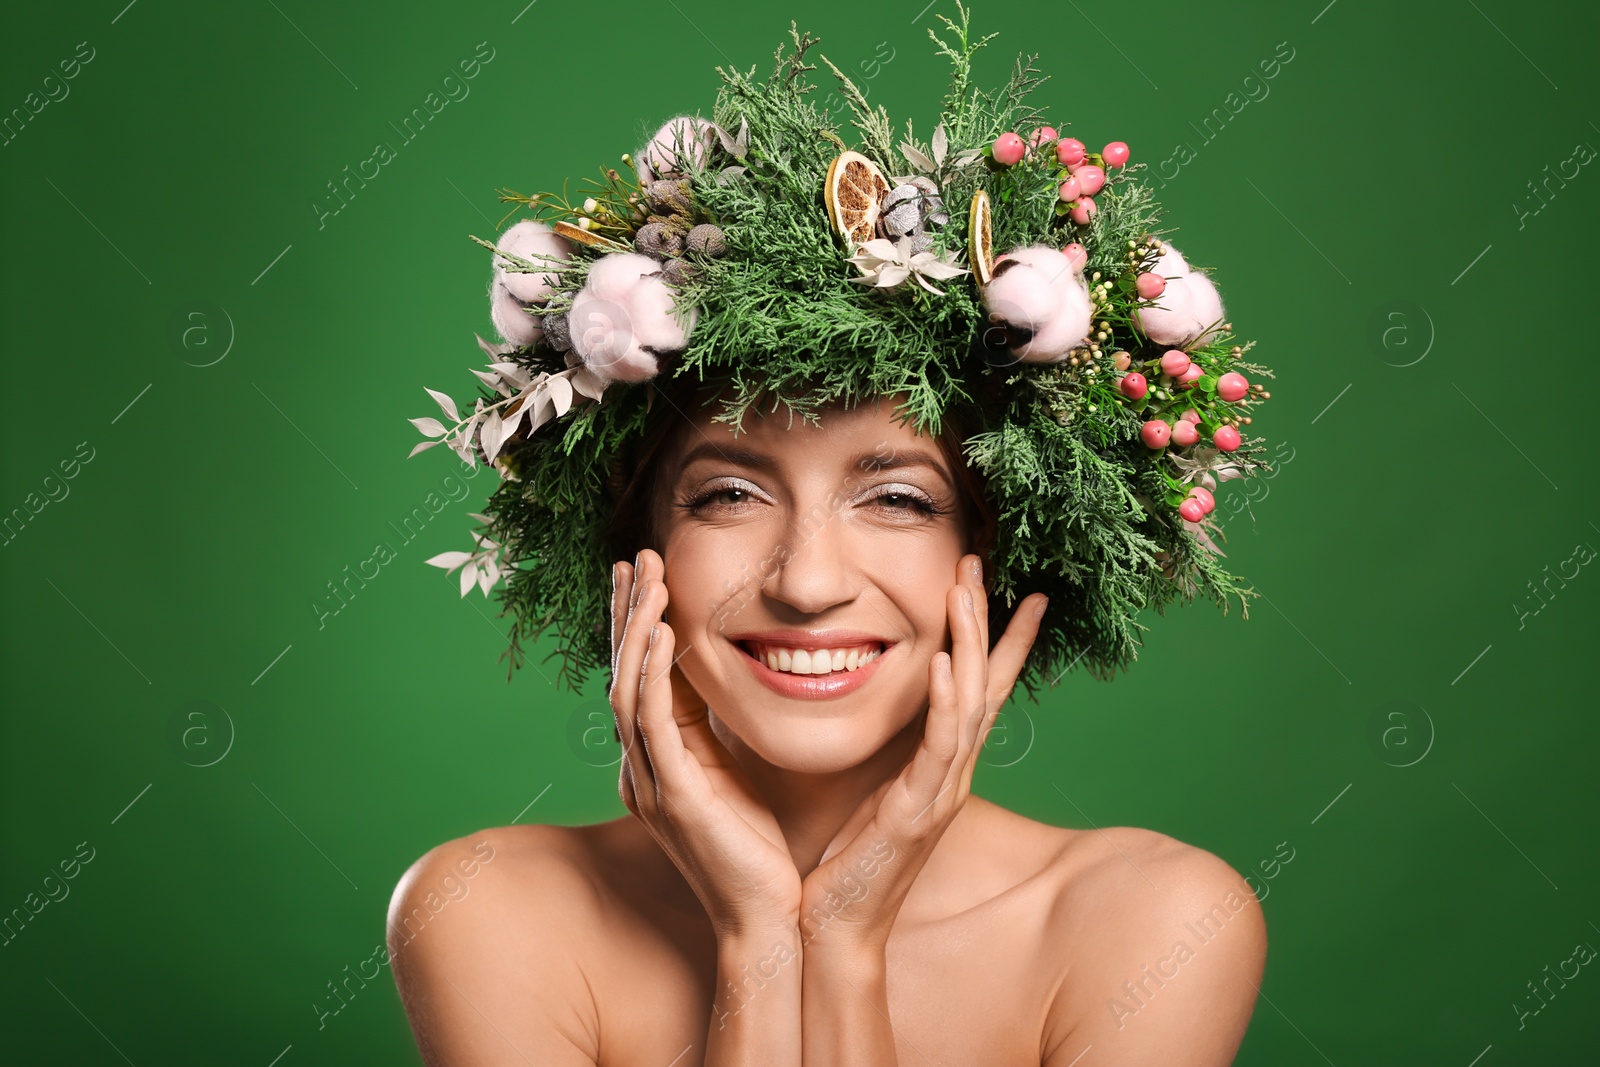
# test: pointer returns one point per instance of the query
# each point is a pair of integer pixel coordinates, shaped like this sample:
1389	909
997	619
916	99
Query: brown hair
634	474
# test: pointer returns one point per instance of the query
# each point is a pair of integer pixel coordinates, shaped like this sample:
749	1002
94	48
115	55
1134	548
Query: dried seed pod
679	272
669	196
556	333
656	239
707	239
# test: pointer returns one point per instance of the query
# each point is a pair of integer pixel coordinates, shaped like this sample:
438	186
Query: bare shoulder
1163	947
485	927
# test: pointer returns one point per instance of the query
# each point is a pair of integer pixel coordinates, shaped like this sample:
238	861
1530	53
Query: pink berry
1083	210
1008	149
1155	433
1175	362
1091	179
1041	136
1069	190
1115	154
1150	285
1225	438
1202	494
1185	433
1189	375
1190	415
1070	151
1231	386
1077	254
1192	510
1133	385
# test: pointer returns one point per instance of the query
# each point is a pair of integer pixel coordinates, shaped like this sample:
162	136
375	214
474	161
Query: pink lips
814	686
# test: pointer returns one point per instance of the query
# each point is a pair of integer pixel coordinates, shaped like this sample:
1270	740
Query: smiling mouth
813	661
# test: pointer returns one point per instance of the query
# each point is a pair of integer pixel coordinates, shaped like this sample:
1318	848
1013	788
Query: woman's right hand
680	780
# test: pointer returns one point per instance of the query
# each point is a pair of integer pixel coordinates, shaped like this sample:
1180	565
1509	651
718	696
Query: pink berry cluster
1083	174
1183	372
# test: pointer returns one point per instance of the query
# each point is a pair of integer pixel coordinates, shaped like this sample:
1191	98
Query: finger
621	600
1011	652
625	788
659	739
970	666
649	596
926	777
647	565
980	598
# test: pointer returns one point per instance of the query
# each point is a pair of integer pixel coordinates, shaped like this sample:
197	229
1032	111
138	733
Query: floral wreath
759	250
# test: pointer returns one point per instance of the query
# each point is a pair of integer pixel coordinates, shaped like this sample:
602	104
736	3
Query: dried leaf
514	373
469	575
494	351
490	436
917	160
493	381
445	403
588	383
560	391
431	427
449	560
422	446
940	145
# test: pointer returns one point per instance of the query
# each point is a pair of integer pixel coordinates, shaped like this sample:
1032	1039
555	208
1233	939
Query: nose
811	568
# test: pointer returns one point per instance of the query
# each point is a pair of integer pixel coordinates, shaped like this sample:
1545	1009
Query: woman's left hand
852	897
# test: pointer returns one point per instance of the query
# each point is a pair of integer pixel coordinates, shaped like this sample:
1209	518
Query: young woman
803	877
803	664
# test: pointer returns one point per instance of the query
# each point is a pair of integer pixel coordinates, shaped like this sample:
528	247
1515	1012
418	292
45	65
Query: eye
916	503
722	495
726	495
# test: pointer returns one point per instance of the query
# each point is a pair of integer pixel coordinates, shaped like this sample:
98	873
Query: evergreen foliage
1085	507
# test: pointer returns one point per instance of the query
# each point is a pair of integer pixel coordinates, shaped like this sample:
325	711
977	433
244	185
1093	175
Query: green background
1435	471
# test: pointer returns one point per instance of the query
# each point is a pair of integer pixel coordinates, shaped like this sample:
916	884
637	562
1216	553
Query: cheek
711	576
919	581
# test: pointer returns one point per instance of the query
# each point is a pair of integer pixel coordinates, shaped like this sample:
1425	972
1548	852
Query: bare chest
972	988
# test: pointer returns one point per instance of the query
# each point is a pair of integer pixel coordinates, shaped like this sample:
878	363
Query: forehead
870	435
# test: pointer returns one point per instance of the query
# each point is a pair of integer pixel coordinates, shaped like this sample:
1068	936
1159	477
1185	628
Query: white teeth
817	660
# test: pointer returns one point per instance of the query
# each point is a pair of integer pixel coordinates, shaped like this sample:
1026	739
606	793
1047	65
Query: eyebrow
867	461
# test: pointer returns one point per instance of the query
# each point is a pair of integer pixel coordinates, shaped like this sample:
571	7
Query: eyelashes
907	499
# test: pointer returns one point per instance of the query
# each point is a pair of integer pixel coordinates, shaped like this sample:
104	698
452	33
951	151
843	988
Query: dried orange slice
980	238
854	189
562	228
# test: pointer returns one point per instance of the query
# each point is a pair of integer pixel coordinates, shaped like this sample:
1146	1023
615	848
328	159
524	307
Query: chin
807	745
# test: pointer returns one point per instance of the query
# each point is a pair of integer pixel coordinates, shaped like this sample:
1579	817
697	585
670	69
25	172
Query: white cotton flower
887	263
512	293
624	319
1038	297
680	140
1188	311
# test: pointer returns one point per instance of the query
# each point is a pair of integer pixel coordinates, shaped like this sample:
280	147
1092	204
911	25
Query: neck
811	808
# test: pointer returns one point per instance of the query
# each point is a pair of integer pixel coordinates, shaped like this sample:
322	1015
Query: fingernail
655	631
616	575
977	570
1038	612
966	596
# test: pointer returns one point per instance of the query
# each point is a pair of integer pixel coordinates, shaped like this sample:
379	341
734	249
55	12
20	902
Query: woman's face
842	537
